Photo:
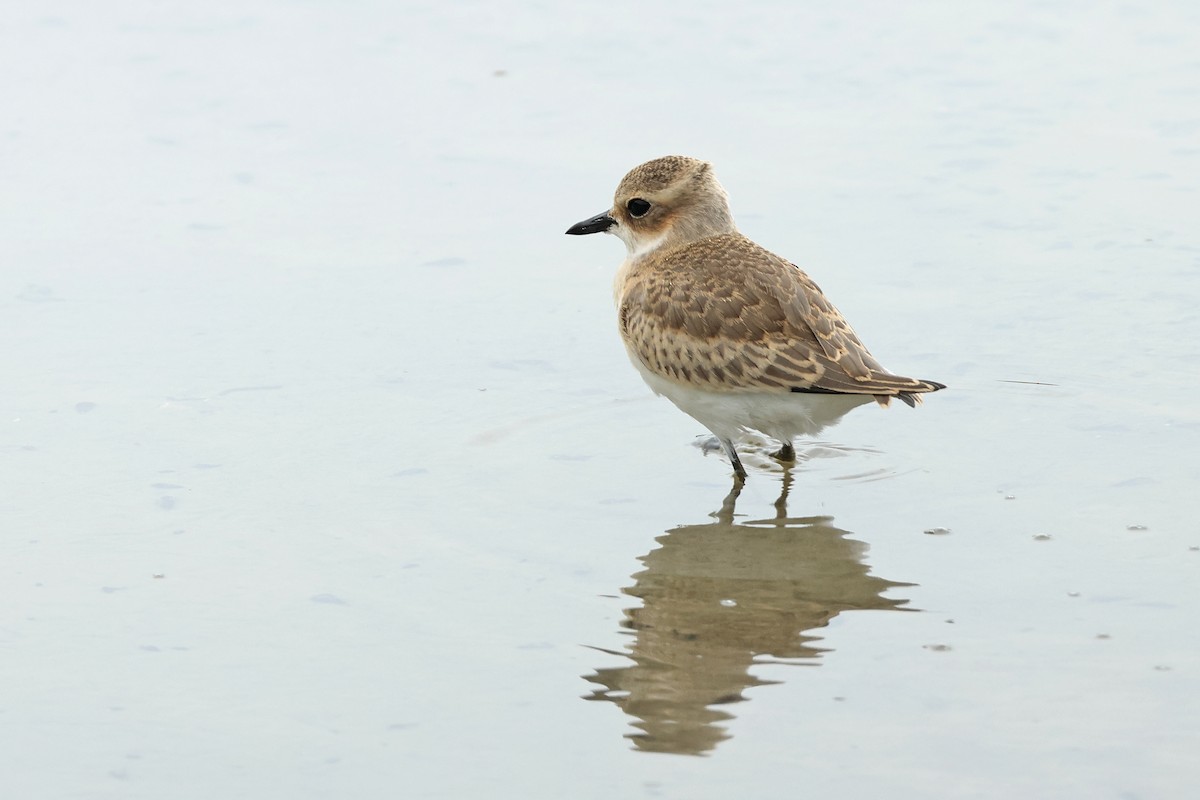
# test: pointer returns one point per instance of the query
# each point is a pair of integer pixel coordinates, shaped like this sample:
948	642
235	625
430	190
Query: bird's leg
738	469
787	453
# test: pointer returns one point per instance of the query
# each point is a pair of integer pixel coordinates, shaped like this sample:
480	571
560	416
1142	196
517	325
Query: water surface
325	474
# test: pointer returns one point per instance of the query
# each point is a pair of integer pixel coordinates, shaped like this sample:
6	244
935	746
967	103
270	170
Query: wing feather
700	316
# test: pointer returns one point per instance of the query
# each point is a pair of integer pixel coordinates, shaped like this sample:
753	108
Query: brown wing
725	314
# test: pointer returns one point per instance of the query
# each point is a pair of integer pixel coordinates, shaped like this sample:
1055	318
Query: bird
735	336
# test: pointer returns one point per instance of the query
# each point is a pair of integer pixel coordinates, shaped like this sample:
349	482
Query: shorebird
735	336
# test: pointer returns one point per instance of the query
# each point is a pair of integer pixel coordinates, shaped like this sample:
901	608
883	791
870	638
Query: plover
735	336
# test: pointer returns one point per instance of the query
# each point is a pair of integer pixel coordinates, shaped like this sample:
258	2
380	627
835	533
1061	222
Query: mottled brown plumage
773	331
734	335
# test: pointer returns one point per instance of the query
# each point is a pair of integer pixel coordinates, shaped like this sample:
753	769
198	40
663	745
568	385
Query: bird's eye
638	207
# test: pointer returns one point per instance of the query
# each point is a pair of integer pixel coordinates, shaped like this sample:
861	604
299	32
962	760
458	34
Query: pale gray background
322	468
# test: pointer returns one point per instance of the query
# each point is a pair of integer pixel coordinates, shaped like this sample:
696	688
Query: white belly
781	416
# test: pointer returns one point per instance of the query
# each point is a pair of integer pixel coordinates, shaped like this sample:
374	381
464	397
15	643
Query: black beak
597	224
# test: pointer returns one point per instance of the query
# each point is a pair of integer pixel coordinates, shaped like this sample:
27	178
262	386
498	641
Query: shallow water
325	474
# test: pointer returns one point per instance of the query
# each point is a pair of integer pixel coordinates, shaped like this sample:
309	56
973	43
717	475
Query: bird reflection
716	599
